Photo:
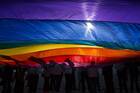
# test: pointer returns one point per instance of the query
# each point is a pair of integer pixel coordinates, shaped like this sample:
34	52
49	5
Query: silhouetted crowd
92	78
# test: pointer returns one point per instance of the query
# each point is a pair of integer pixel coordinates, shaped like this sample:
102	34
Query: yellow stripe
41	47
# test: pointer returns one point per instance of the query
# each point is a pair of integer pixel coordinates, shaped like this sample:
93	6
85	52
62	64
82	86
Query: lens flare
89	26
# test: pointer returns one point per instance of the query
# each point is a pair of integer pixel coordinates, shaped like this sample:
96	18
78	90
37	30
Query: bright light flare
89	26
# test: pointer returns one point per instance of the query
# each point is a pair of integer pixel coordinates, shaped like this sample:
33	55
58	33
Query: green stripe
84	42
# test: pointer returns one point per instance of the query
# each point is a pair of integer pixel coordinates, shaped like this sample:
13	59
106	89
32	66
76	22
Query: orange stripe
99	52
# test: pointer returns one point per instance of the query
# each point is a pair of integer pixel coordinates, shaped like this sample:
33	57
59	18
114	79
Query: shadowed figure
46	73
69	73
52	64
19	76
83	79
46	76
71	64
122	73
108	78
33	77
92	77
7	79
19	80
58	72
32	80
133	72
52	74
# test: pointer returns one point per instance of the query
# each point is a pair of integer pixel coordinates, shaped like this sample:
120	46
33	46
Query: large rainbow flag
101	31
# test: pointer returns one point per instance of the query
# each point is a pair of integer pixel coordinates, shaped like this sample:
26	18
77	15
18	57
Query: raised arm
10	58
37	60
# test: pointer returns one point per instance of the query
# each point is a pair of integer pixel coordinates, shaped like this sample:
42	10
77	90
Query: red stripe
80	60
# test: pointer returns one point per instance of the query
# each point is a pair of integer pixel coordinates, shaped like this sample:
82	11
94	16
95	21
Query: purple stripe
125	11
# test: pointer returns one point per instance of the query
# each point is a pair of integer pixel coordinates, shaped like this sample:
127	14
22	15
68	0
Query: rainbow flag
84	31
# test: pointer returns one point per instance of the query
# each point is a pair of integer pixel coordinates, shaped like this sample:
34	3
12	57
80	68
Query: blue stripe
107	34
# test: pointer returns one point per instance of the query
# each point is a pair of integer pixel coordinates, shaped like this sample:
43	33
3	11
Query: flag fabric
101	31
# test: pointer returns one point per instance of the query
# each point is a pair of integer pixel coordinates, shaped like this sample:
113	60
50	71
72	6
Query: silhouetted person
122	74
68	78
32	80
133	71
55	72
46	76
58	72
19	80
18	85
108	77
83	78
71	64
92	78
7	79
1	74
98	86
55	75
52	76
